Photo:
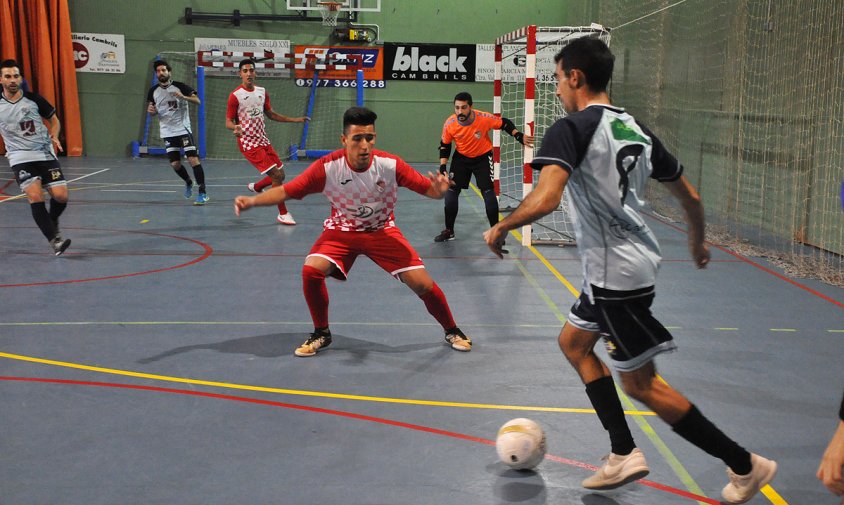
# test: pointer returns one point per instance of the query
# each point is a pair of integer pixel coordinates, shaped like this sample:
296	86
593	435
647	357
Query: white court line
23	195
137	191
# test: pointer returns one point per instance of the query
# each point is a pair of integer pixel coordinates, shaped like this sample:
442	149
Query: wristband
443	169
520	137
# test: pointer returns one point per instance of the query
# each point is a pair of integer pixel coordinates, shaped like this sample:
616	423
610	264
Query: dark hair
247	61
592	57
10	64
463	96
158	63
359	116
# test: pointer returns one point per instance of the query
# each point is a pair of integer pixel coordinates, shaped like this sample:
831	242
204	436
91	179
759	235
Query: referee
469	130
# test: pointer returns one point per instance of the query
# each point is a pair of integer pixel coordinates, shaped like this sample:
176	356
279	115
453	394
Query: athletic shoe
315	342
188	191
201	199
618	471
60	245
444	235
286	219
458	340
251	187
744	487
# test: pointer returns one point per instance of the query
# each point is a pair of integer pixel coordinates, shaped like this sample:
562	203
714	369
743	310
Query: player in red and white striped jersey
245	112
361	184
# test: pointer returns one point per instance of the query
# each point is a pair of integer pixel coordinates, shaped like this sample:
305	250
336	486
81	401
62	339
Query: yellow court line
296	392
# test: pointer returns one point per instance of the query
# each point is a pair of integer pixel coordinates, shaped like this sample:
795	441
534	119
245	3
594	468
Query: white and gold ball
520	444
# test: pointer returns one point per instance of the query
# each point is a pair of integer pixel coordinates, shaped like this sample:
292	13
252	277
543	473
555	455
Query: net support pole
530	94
496	134
309	113
359	82
200	112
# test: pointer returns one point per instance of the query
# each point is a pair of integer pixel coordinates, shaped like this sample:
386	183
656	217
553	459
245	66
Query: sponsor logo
80	55
432	62
362	212
23	174
426	62
622	229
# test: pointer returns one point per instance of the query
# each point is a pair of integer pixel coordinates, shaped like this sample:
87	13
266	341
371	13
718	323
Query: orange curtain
37	34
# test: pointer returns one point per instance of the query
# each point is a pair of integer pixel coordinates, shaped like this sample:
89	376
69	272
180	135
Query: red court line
757	265
350	415
207	248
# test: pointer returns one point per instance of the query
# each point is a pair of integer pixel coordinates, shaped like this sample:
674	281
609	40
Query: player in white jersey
31	150
169	100
602	158
245	112
361	184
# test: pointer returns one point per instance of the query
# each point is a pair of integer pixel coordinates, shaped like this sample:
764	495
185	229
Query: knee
176	164
59	197
639	390
312	274
277	175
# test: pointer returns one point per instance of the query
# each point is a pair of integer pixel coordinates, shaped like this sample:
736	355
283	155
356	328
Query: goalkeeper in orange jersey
469	130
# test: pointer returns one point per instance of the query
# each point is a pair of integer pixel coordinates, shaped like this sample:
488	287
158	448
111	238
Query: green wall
410	113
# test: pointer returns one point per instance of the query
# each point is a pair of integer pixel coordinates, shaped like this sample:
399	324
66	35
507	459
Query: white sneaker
286	219
618	471
251	187
742	488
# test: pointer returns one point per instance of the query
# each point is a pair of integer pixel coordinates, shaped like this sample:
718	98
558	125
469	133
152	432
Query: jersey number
28	128
625	162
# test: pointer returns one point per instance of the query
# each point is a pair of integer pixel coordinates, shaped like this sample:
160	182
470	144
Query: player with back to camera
468	129
361	184
169	100
245	112
31	150
603	158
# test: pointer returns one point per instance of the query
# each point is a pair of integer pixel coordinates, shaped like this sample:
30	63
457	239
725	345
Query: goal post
525	92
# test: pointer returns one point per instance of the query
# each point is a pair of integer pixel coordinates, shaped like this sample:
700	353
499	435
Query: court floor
153	362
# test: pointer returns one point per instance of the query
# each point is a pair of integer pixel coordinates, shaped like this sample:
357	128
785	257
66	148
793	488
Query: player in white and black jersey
31	149
603	157
168	99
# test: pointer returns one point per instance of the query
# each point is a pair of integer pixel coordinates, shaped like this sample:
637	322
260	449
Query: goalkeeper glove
520	137
443	169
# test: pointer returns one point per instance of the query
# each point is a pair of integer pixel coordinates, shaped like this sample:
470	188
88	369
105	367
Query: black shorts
463	167
632	334
48	172
174	145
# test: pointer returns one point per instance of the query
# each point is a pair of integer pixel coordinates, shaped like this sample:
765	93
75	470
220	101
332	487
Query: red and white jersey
247	108
360	200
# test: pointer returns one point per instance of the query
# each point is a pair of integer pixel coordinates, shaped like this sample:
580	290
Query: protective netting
749	95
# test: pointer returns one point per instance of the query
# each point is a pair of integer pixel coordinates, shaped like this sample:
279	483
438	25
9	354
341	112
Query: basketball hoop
329	11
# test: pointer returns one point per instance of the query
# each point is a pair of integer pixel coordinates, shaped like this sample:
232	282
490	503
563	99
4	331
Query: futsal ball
520	444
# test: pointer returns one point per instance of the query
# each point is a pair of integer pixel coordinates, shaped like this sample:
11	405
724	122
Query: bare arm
55	128
686	194
273	196
236	129
544	198
275	116
830	469
439	185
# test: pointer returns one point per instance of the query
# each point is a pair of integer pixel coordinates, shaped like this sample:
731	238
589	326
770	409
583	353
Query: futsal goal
525	93
298	85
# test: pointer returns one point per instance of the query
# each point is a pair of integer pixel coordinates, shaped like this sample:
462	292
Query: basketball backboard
347	5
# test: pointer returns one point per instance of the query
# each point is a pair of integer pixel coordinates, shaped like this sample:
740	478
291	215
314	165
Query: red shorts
387	248
264	158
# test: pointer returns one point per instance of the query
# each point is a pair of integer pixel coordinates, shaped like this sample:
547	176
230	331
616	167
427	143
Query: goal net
749	96
525	93
298	85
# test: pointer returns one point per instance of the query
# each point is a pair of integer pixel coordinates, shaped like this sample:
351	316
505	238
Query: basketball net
329	11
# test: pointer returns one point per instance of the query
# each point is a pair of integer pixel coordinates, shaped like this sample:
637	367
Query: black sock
604	398
451	208
322	331
701	432
491	205
199	175
181	172
56	209
42	219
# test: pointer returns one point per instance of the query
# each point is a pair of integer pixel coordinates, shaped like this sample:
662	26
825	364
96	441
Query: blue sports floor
153	362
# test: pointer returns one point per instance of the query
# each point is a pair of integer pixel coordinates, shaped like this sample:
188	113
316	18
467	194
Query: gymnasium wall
411	113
